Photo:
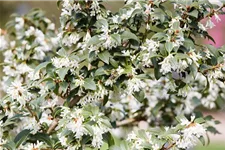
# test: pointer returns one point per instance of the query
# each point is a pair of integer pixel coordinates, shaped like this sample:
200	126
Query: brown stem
32	113
53	125
125	122
169	147
74	101
212	12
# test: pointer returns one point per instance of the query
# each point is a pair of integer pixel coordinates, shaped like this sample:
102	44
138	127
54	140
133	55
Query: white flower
97	137
74	37
51	26
18	92
40	37
109	82
46	118
33	146
23	68
217	18
95	9
66	3
120	70
184	91
195	57
166	64
64	62
148	9
190	135
209	24
76	126
150	45
87	37
137	143
19	23
94	97
174	23
62	139
31	124
79	82
30	31
115	19
71	39
201	26
3	42
135	85
73	121
209	102
1	129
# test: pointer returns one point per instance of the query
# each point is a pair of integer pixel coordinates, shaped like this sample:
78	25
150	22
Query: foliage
102	73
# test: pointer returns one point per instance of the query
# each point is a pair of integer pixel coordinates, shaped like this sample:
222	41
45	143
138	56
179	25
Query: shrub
134	79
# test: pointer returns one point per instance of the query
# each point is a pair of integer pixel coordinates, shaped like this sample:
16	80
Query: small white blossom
209	24
3	42
64	62
19	23
217	18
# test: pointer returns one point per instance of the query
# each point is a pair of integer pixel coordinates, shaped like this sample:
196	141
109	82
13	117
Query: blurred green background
52	12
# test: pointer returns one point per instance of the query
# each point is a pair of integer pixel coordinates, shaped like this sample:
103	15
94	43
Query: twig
125	122
53	125
74	101
31	112
169	147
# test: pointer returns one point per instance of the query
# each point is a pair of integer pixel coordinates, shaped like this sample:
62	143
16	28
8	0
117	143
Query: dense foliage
134	79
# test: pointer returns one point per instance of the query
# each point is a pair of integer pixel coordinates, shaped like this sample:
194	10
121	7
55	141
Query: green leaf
194	69
194	13
104	146
104	56
100	71
58	3
62	73
181	56
202	139
51	84
180	117
136	12
157	108
89	84
213	130
89	129
140	96
64	86
43	137
41	66
10	145
101	22
113	62
220	102
117	38
21	137
157	72
169	46
159	35
93	41
199	120
126	35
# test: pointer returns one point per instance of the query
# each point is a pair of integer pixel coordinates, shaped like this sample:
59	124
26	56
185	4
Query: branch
169	147
31	112
74	101
53	125
213	12
125	122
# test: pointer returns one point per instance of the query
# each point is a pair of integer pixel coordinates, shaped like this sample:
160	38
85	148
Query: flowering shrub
134	79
